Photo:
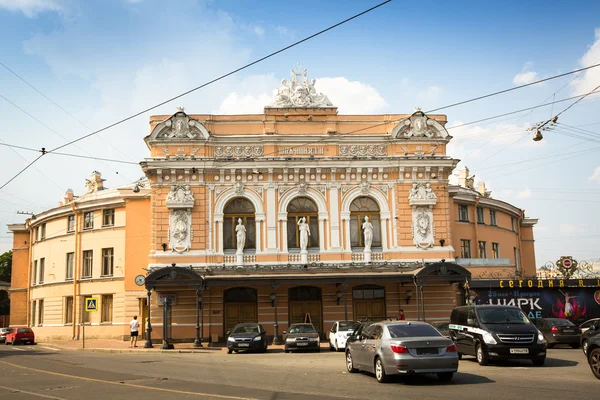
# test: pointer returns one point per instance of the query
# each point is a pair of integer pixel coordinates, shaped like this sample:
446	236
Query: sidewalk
119	346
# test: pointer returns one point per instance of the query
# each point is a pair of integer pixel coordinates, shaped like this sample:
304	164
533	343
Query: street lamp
148	343
198	340
273	298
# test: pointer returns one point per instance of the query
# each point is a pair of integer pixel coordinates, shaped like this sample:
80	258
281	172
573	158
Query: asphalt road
28	372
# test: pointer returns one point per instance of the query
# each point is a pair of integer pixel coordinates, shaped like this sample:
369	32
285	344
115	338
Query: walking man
135	325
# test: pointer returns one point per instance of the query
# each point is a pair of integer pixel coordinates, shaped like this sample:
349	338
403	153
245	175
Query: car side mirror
228	332
285	332
593	327
470	321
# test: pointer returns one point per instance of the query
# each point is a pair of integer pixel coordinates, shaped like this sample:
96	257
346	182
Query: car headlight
541	339
289	340
314	339
488	338
230	339
257	339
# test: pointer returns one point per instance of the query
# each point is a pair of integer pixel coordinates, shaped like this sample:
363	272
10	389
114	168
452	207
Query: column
335	216
271	207
284	238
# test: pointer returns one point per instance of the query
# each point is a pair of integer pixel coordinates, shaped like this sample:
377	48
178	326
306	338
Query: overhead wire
200	86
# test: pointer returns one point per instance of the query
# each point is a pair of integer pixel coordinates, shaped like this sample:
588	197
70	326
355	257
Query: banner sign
533	283
575	303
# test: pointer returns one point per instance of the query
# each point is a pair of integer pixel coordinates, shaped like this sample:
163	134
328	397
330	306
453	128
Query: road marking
220	396
31	393
49	348
16	348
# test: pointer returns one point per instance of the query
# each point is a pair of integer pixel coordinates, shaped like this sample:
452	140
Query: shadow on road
550	363
431	379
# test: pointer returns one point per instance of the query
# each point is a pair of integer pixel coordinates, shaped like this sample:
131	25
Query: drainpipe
417	293
76	270
30	276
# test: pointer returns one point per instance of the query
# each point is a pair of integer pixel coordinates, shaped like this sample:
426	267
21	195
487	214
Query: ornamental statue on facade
421	191
422	199
299	92
180	201
367	228
304	232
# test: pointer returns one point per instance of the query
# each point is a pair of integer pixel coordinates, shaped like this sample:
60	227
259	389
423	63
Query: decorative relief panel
421	194
180	201
239	151
419	125
363	150
423	228
180	127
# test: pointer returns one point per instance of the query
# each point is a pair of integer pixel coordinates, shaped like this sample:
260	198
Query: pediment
420	126
179	127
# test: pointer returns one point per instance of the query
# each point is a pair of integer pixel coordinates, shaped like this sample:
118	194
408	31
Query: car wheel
286	350
575	346
550	345
318	349
13	342
350	363
229	351
445	376
331	348
459	356
584	347
337	348
538	362
6	342
482	357
380	371
594	360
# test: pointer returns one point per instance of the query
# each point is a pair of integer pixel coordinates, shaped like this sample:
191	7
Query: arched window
298	208
235	209
360	208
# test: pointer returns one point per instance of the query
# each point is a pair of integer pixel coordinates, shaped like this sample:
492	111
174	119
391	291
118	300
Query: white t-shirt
134	325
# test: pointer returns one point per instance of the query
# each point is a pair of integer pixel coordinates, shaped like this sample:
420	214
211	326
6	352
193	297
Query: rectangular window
107	308
482	250
513	221
41	312
88	261
33	313
70	266
88	220
108	217
107	261
68	310
465	248
71	223
43	232
35	272
493	218
496	250
516	255
480	219
37	234
42	268
463	213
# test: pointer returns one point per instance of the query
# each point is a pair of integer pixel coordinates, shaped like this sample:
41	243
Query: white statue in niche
367	227
304	229
240	235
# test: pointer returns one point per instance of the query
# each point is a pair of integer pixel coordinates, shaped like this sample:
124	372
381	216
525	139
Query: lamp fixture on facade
272	298
442	241
409	294
164	246
338	296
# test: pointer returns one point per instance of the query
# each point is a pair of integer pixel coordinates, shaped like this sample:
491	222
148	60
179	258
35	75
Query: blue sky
104	60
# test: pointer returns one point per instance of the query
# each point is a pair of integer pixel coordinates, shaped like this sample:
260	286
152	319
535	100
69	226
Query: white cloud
258	30
595	175
31	7
430	94
523	78
282	30
524	194
351	97
590	78
236	103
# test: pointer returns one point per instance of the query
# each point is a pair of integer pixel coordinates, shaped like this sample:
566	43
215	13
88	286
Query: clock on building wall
140	280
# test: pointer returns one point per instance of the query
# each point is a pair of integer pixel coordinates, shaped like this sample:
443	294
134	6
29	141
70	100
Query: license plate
301	344
427	351
568	331
244	344
519	351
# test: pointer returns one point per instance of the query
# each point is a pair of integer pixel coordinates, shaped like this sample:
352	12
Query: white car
586	325
339	334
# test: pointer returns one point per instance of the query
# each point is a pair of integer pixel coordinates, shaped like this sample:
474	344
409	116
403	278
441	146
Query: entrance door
143	316
305	302
369	303
240	307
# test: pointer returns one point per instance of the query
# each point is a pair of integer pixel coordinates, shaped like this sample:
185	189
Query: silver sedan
401	348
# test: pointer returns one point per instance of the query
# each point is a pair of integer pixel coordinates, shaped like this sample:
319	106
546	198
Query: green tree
6	266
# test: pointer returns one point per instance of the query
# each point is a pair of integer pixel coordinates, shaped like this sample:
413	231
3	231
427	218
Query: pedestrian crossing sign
91	304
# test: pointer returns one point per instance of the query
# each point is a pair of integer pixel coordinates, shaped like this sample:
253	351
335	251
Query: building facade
297	214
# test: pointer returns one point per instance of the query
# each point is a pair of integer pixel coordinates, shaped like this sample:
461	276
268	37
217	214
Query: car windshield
410	330
302	329
23	330
493	315
348	325
246	329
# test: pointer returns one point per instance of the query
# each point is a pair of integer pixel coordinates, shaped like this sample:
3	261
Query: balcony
360	257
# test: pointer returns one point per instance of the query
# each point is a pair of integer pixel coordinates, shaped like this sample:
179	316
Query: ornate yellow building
295	214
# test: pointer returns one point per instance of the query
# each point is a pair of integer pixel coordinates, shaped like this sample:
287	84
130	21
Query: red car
20	335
